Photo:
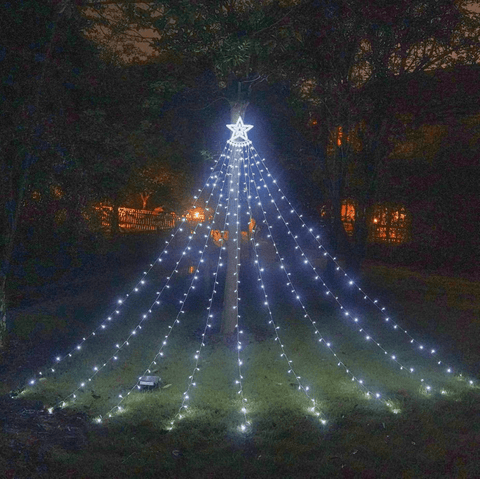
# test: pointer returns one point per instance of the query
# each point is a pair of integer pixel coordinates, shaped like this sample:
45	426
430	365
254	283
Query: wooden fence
131	220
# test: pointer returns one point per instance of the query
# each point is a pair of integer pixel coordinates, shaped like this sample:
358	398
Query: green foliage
159	171
357	58
41	58
237	41
163	90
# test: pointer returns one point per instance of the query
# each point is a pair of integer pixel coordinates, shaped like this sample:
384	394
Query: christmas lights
121	345
375	303
239	130
240	162
122	300
368	336
198	352
290	367
293	290
186	396
236	160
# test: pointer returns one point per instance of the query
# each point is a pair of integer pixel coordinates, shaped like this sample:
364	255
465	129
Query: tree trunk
144	197
360	236
339	243
230	311
230	300
115	228
238	109
16	198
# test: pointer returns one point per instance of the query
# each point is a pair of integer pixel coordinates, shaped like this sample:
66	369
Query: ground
433	436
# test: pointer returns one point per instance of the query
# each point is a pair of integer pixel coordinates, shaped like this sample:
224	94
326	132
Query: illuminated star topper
239	130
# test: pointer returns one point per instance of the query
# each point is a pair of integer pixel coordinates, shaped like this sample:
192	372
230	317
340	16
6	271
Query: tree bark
16	198
17	194
145	197
238	109
115	227
359	239
230	300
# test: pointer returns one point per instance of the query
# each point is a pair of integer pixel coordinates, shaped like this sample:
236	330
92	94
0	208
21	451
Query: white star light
239	130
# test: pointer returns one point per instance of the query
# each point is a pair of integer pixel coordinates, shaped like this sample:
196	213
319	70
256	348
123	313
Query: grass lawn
408	432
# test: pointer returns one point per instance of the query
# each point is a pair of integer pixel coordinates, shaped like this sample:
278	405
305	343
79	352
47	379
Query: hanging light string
198	353
387	320
228	153
238	157
121	345
160	354
368	336
290	368
277	338
208	322
290	284
116	311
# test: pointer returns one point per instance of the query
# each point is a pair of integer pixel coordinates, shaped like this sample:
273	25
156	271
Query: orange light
339	136
389	225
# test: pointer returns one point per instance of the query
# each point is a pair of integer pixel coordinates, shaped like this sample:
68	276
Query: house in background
389	224
430	203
